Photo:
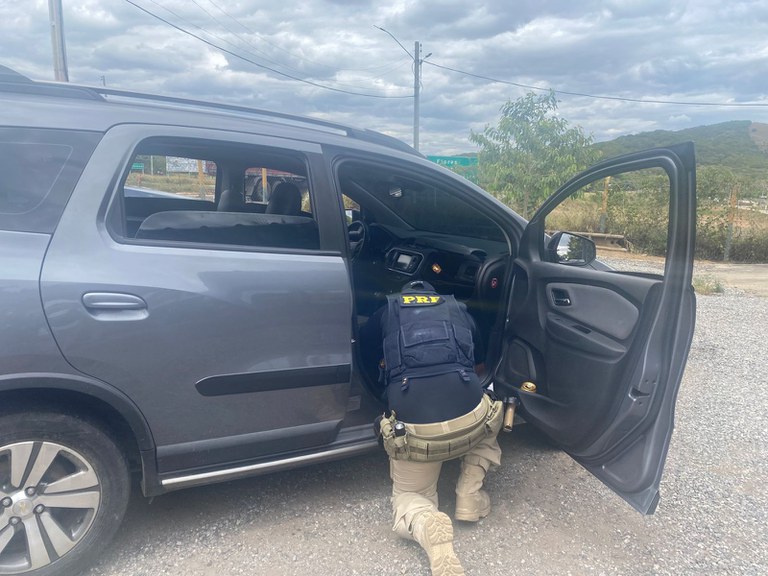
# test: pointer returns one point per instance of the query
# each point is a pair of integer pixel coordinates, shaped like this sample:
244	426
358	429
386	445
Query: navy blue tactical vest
427	334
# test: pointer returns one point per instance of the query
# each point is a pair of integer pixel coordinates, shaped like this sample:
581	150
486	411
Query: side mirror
571	249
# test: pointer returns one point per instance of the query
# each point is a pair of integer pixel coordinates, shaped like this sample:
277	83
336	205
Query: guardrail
617	242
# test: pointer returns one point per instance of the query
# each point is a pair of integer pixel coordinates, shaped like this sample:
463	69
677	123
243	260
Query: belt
455	425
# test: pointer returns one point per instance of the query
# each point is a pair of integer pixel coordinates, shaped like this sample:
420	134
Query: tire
64	488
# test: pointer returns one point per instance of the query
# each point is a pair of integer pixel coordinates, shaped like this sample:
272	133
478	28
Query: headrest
285	199
230	201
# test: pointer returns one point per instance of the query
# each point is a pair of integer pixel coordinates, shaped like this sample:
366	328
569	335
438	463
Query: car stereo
404	262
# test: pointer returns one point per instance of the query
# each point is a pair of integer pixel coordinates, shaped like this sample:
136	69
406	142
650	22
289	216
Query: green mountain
740	145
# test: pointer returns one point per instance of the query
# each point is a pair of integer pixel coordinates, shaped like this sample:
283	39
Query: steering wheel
358	234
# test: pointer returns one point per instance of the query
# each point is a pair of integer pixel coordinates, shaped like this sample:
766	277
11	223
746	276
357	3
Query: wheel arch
94	400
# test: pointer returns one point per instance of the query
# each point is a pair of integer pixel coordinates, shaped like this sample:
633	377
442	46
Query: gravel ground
549	516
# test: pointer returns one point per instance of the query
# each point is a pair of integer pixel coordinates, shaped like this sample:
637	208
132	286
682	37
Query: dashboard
454	270
452	264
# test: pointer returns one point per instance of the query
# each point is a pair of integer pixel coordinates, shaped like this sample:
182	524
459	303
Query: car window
627	216
215	194
189	178
39	171
421	203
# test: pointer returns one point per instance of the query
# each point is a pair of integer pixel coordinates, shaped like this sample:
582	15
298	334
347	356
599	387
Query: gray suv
184	286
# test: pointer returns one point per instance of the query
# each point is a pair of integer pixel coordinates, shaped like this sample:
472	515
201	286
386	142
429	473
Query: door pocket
579	337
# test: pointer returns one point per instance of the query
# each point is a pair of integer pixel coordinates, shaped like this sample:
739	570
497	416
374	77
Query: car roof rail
10	75
357	133
12	81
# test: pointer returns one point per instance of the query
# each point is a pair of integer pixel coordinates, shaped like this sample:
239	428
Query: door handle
113	301
561	297
115	306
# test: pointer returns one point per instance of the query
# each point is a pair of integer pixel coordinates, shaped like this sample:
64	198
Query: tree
531	152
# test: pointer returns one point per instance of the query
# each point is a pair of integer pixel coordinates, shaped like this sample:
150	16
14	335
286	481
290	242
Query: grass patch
707	284
186	184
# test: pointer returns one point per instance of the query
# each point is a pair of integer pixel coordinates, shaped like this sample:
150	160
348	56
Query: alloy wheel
49	496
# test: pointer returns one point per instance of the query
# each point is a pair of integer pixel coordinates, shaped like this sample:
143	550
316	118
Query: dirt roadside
751	278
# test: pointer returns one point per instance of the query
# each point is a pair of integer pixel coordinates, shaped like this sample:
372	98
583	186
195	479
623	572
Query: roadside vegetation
532	150
708	284
194	185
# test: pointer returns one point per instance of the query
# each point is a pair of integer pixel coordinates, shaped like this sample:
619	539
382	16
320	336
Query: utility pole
416	91
57	40
417	61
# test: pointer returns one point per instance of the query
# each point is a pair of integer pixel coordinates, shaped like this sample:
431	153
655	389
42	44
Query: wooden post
604	207
733	206
200	179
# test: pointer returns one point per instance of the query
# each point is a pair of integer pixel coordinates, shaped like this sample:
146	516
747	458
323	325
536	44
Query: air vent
469	272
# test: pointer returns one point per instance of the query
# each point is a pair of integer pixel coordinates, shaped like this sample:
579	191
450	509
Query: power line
236	35
180	17
262	55
294	54
601	97
240	57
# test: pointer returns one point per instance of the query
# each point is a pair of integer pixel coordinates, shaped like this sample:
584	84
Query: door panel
607	348
600	308
577	356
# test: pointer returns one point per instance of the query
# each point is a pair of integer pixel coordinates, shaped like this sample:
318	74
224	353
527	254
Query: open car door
606	348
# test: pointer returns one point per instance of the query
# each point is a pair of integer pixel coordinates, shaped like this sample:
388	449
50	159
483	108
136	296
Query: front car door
606	348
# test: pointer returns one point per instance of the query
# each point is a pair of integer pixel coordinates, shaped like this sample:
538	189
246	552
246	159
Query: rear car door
234	347
607	348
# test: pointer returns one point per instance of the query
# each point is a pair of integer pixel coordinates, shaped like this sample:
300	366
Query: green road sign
137	166
464	165
451	161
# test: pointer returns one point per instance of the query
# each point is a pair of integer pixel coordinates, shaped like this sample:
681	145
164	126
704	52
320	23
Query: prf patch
420	300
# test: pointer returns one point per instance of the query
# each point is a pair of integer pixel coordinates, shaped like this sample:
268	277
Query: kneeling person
438	411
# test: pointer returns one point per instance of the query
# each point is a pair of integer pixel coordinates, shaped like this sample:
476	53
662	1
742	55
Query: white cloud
653	49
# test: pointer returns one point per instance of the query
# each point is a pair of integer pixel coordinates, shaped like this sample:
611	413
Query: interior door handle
561	297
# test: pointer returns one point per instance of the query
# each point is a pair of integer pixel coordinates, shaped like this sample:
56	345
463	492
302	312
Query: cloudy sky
326	58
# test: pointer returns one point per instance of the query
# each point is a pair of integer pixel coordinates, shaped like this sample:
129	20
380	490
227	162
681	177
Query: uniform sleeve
479	342
477	338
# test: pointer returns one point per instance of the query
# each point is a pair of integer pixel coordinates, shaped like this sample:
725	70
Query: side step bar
224	475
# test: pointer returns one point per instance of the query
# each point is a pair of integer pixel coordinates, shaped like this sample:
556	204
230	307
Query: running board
267	467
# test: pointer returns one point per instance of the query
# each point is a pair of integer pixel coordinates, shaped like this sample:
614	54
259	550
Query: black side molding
226	384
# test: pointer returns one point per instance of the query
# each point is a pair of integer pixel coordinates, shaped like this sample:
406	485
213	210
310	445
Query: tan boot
434	531
472	502
472	507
